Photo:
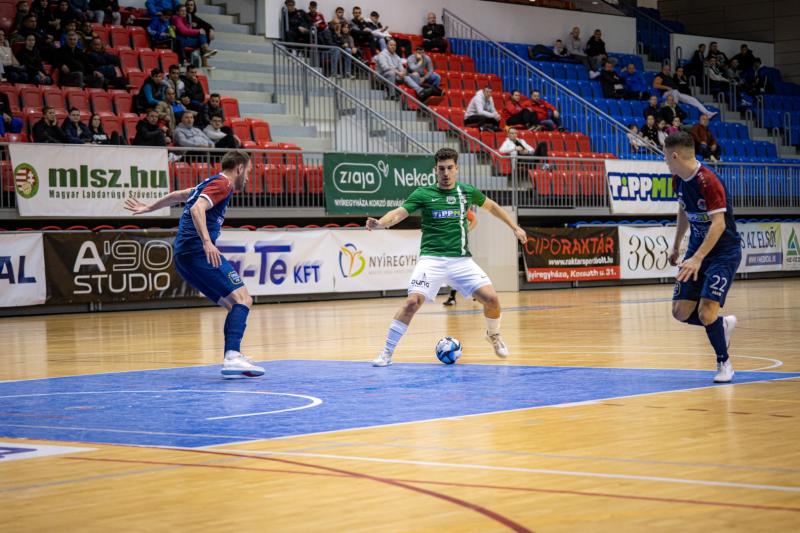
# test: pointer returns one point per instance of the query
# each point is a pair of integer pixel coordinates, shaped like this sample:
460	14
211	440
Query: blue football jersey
217	190
700	197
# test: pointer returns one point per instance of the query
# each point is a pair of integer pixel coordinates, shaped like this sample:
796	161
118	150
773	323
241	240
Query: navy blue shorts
213	282
713	280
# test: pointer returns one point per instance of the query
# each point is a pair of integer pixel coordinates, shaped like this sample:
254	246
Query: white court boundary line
546	471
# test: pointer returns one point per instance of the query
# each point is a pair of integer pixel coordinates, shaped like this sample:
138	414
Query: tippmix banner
374	260
372	184
640	188
22	272
87	180
113	266
571	254
762	246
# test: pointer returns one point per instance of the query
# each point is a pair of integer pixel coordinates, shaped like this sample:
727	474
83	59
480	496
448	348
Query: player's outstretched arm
137	207
395	216
683	226
502	214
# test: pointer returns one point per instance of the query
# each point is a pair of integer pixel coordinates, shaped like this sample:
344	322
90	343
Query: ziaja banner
113	266
372	184
761	246
571	254
374	260
640	187
87	180
22	278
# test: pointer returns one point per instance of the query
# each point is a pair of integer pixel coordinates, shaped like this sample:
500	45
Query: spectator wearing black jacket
75	130
64	14
99	135
71	61
103	65
681	81
697	64
196	22
745	58
297	26
596	50
653	108
193	94
612	83
670	109
714	51
106	11
149	133
45	21
359	29
650	131
151	93
47	130
211	108
31	61
433	35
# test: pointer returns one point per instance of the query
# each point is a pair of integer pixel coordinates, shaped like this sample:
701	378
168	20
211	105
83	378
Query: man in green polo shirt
444	252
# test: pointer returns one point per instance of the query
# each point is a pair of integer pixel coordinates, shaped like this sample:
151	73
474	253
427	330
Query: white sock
492	325
396	331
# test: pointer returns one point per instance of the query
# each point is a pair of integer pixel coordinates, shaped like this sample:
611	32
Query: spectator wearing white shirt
481	111
515	146
222	136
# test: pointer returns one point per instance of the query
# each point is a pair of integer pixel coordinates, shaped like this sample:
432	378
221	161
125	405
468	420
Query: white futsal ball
448	350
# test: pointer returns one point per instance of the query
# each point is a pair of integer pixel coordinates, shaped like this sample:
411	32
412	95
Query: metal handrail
787	129
548	86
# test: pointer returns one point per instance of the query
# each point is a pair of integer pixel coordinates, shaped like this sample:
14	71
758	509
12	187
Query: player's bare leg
487	296
235	364
398	327
719	330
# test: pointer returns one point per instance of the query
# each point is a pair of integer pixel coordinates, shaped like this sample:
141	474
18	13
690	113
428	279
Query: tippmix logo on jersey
351	261
26	180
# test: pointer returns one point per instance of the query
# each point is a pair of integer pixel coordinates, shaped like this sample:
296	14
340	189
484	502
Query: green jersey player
444	252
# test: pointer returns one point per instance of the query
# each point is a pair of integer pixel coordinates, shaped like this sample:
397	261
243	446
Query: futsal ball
448	350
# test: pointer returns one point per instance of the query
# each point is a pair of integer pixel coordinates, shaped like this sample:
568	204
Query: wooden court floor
724	458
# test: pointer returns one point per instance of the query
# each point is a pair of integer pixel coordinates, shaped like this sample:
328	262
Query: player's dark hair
446	154
679	139
233	159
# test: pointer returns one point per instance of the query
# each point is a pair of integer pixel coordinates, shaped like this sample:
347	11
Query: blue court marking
194	407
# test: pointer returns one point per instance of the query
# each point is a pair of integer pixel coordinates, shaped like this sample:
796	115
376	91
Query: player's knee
243	298
412	304
492	301
707	315
680	313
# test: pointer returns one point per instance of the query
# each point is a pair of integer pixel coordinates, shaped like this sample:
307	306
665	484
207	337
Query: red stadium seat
148	59
241	128
204	82
136	79
123	101
101	102
138	37
76	97
13	96
467	64
16	137
54	97
260	130
129	61
120	36
130	120
112	123
31	97
7	175
313	179
102	33
167	58
230	106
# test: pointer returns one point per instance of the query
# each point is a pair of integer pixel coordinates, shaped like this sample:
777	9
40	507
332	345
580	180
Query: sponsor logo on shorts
701	204
234	278
676	289
420	283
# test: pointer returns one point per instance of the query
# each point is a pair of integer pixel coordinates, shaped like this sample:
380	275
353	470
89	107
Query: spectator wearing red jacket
516	114
546	114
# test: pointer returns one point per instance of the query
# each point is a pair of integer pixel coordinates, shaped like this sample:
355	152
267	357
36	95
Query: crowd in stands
743	70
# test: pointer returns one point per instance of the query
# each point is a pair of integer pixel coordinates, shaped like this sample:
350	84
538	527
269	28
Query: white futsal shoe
728	323
500	348
384	358
236	365
724	372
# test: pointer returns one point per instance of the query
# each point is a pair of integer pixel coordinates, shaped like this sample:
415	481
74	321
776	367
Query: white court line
546	471
775	362
314	402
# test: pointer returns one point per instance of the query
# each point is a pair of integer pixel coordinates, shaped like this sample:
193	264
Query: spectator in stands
87	35
515	146
150	133
481	111
29	27
157	7
75	130
30	60
161	31
196	22
193	94
187	135
682	81
47	130
380	33
98	134
559	50
296	26
10	69
718	83
71	26
361	33
22	11
652	108
106	10
637	142
173	80
705	145
8	123
515	114
546	114
45	22
575	46
82	9
211	108
338	16
193	38
697	64
317	20
176	109
670	109
390	66
596	50
664	83
745	58
662	132
71	61
433	39
675	126
151	93
65	14
420	69
732	72
650	132
635	85
104	66
343	42
715	52
612	83
756	81
222	136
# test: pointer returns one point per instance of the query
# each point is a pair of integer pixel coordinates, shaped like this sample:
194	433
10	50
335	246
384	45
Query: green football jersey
444	218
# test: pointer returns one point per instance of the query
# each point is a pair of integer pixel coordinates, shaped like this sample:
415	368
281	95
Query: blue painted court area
193	407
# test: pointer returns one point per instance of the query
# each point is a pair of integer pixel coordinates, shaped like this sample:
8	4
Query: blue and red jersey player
714	253
198	260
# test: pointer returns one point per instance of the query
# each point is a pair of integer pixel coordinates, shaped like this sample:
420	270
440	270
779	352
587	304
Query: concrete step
249	107
238	37
278	119
251	96
236	46
285	130
237	75
788	152
224	85
310	144
655	66
243	56
208	9
759	132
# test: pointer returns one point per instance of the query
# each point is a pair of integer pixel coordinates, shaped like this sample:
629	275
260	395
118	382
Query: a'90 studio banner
86	180
571	254
113	266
